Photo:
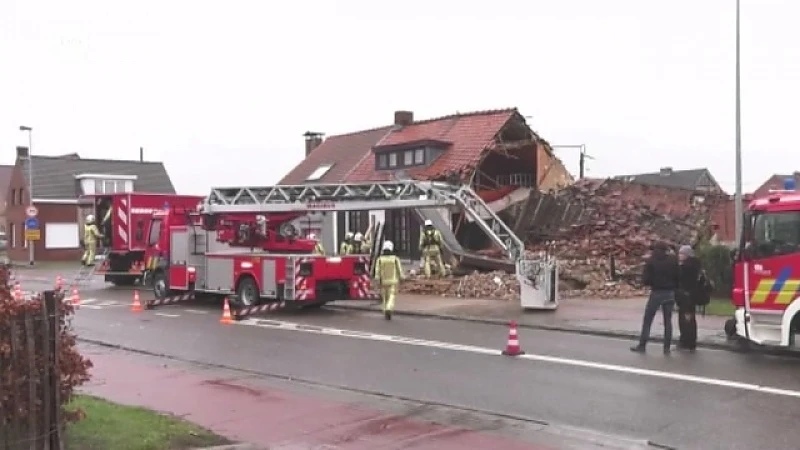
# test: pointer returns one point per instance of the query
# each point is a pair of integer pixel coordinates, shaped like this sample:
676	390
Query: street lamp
738	207
30	182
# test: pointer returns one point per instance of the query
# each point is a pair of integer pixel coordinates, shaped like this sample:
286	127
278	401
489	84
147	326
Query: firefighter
388	274
430	243
358	244
346	246
318	248
90	237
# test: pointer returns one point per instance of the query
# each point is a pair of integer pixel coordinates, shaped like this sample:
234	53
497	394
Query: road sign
31	211
33	235
31	223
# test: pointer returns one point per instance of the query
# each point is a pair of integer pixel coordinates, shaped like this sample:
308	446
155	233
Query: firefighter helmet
358	237
312	236
90	218
428	223
348	235
388	246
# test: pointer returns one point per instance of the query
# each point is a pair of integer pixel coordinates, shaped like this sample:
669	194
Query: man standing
430	244
90	237
686	297
661	275
318	248
388	274
346	247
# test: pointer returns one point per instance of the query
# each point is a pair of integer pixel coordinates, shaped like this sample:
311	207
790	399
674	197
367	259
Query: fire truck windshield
774	234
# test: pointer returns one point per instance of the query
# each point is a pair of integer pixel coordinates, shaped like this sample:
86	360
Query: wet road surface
740	401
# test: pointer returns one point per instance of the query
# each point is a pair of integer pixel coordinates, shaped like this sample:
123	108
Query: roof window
320	172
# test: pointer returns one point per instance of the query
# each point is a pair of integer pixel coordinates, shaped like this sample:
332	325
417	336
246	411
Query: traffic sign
31	223
33	235
31	211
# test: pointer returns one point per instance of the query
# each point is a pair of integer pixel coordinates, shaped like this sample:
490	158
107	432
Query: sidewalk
270	413
619	318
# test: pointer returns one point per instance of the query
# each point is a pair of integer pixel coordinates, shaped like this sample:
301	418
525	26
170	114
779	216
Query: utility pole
738	207
581	159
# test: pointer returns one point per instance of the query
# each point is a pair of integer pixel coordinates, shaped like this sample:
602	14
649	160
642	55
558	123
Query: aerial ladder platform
538	277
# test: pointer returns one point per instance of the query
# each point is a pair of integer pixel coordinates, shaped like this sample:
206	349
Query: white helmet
90	218
358	236
428	223
348	235
312	236
388	246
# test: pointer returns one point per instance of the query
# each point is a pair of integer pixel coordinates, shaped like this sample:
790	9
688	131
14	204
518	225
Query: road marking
166	314
196	311
274	324
89	306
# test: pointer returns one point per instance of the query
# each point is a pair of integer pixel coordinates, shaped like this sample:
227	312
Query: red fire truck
240	242
766	281
125	231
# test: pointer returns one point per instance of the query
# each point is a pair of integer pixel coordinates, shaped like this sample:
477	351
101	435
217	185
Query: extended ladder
365	196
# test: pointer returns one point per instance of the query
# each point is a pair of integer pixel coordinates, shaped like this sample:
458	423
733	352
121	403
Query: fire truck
124	242
240	242
766	278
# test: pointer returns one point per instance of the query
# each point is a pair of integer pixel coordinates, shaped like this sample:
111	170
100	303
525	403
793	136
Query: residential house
59	184
691	179
776	183
495	152
5	178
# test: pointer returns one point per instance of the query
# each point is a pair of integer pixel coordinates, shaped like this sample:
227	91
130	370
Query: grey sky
222	91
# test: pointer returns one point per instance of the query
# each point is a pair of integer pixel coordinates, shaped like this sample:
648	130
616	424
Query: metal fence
30	397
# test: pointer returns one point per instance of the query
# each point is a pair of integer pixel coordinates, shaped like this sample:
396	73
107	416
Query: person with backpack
688	296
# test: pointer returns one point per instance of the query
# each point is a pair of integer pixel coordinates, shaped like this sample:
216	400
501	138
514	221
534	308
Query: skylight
320	172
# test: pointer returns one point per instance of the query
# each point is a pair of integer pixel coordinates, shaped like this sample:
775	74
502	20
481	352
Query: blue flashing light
789	184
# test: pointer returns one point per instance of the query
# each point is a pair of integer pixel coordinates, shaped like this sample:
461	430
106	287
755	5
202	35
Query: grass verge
720	307
111	426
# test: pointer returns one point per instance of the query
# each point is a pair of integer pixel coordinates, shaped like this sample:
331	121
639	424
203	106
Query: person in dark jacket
661	275
686	297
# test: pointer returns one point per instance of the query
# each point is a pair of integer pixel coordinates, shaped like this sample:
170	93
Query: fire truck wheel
730	328
247	292
160	285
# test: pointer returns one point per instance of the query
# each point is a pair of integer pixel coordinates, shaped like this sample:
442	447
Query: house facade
699	180
495	152
60	184
5	179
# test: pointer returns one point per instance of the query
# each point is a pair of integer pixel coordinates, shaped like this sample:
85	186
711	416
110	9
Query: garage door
61	235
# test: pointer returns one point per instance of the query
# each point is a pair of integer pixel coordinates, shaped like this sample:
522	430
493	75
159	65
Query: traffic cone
137	305
513	347
76	299
59	283
226	313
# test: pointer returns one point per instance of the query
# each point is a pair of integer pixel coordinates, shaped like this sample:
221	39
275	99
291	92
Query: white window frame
68	240
408	158
319	172
419	156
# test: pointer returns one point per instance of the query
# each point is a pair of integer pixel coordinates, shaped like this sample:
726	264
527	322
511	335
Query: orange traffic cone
226	313
76	299
136	306
513	347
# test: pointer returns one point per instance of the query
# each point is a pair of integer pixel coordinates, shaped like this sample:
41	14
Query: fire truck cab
766	281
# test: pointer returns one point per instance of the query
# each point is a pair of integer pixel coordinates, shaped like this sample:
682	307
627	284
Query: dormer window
93	183
399	159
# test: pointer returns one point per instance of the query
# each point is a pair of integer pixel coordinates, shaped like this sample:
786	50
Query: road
712	399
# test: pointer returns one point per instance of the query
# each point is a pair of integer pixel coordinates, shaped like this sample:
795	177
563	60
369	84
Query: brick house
495	152
59	182
692	179
775	183
5	178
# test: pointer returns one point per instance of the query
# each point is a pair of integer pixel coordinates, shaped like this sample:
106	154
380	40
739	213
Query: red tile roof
344	151
468	135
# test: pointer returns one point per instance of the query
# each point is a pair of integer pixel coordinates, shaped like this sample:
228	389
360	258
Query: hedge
718	263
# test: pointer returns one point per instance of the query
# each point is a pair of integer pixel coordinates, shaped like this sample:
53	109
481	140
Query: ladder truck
240	242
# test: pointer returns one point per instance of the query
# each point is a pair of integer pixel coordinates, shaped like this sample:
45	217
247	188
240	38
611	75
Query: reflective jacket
90	234
430	238
388	270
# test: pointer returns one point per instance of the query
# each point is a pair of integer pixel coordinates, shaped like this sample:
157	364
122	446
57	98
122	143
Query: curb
564	329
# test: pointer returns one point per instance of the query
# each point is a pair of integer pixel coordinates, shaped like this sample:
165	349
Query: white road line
88	300
89	306
166	314
196	311
275	324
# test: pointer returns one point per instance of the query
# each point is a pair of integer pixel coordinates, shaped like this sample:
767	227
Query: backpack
705	288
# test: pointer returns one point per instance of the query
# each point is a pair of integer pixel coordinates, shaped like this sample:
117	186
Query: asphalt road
597	384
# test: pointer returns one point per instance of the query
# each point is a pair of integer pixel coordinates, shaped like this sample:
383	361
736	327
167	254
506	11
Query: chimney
141	154
403	118
666	171
313	140
22	152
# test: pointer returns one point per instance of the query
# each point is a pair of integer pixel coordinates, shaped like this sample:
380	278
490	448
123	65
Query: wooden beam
513	145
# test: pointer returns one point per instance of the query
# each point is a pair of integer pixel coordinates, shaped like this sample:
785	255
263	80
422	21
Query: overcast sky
223	91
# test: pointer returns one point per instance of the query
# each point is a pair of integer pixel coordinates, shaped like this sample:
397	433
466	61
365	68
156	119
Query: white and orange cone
226	313
513	348
136	306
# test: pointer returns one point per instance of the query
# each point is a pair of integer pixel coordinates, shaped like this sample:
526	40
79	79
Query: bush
718	263
22	328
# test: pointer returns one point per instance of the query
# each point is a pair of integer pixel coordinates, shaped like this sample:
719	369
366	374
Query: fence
30	378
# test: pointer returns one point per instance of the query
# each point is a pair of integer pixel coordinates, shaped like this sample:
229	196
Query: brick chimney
313	140
22	152
403	118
